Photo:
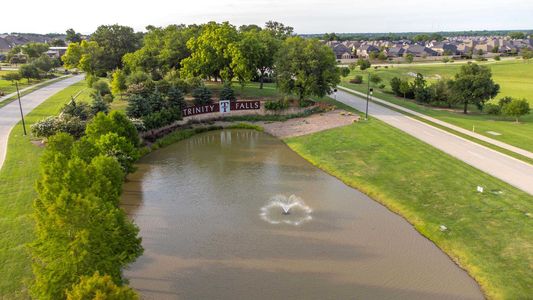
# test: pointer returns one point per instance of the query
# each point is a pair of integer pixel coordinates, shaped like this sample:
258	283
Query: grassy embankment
8	87
490	234
17	178
514	76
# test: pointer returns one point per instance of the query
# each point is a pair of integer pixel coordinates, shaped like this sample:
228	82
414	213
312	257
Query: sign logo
224	106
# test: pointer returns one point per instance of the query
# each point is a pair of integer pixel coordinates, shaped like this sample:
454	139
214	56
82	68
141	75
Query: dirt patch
311	124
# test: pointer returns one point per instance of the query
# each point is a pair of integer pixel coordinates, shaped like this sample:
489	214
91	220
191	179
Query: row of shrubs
72	119
83	239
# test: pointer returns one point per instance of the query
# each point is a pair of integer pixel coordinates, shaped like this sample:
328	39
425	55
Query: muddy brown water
198	204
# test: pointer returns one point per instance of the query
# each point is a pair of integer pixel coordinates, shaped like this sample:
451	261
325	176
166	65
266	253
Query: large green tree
210	54
116	40
473	85
306	67
163	50
87	56
253	55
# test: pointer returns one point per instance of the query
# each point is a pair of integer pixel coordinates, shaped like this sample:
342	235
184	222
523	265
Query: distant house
365	50
56	52
443	48
342	52
420	51
395	51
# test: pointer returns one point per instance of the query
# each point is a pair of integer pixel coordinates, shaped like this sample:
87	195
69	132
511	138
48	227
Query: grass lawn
8	87
17	178
515	77
489	234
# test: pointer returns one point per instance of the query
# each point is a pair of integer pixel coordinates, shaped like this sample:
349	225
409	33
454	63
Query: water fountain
288	210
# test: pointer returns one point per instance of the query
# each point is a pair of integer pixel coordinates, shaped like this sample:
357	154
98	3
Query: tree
101	87
210	52
162	50
98	105
115	122
473	85
527	54
405	88
57	43
254	53
408	57
12	76
34	50
73	36
306	67
44	63
227	93
363	64
344	71
202	96
118	147
278	30
118	82
516	108
100	287
375	78
420	90
29	71
116	41
87	56
440	92
517	35
395	83
382	56
175	98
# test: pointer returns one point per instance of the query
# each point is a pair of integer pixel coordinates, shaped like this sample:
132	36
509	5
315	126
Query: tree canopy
306	67
473	85
115	40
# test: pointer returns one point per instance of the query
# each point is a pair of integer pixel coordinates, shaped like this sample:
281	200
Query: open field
17	178
515	77
487	233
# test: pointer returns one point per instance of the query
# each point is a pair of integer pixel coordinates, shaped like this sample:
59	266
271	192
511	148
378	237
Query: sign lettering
224	106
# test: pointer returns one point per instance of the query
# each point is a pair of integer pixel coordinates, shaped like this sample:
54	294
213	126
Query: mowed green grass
17	179
8	87
514	76
489	234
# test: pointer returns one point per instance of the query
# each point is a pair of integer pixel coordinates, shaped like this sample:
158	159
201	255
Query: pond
236	214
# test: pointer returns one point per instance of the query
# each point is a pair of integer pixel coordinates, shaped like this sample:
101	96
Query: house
443	48
395	51
365	50
56	52
342	52
420	51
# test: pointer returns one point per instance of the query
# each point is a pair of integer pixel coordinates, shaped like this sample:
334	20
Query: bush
138	106
161	118
227	93
80	110
516	108
276	105
202	96
102	87
56	124
108	98
381	86
358	79
100	287
497	58
99	104
492	109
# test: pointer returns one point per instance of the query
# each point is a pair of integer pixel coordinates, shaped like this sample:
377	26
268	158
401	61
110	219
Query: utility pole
367	96
20	107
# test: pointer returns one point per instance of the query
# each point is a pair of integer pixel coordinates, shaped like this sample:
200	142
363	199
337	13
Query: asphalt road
10	114
504	167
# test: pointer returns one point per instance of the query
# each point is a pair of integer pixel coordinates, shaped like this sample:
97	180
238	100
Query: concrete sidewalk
448	125
497	164
10	114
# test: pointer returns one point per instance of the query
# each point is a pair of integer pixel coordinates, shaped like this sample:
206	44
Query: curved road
499	165
10	114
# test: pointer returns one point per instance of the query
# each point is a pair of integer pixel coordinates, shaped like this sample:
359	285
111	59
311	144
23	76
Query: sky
306	16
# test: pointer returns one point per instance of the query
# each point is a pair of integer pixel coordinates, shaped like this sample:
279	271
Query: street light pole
20	107
367	93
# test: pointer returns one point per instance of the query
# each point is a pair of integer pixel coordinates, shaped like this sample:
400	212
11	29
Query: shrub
492	109
138	106
202	96
227	93
175	98
161	118
55	124
100	287
108	98
358	79
102	87
497	58
381	86
80	110
99	104
516	108
276	105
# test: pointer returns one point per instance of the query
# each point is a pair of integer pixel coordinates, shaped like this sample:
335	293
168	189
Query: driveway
10	114
504	167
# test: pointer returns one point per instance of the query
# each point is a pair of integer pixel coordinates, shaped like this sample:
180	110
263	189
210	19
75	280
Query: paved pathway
448	125
10	114
499	165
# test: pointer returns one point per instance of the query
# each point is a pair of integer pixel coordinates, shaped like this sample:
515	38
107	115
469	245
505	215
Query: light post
368	96
20	107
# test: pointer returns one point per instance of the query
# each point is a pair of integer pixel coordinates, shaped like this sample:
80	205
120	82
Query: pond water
236	214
